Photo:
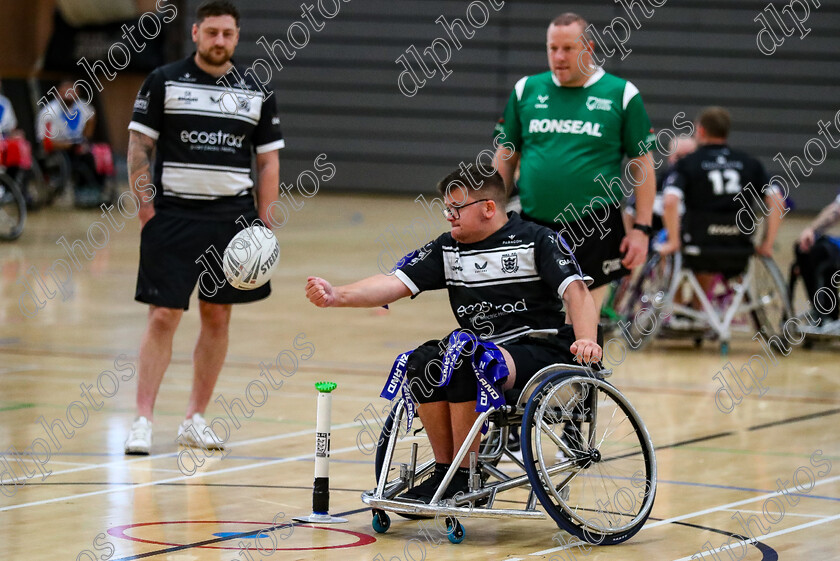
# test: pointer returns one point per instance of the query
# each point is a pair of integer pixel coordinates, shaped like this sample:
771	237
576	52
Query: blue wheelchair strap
396	382
487	362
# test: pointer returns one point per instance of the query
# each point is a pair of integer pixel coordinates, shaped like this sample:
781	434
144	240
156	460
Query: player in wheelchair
817	264
507	281
711	276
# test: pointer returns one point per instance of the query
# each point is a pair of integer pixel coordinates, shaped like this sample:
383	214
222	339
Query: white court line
172	479
736	503
700	555
87	467
230	448
786	513
710	510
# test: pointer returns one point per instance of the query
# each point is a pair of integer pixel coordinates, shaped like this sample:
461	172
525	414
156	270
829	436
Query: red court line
120	532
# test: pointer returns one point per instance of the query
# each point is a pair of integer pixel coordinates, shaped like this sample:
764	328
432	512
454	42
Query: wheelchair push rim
604	489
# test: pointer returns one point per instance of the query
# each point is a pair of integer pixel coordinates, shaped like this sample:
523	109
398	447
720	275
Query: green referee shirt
568	137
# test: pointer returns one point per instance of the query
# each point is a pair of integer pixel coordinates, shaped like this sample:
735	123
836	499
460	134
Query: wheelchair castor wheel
381	521
454	530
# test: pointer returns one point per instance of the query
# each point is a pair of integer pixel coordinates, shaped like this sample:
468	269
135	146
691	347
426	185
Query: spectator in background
66	126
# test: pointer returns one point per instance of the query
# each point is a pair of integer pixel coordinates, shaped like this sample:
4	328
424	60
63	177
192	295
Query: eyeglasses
454	212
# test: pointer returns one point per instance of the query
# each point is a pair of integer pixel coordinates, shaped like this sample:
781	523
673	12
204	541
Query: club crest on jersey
244	102
596	103
542	102
510	263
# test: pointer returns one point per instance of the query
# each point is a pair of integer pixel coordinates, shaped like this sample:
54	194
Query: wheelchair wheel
639	305
589	458
55	170
12	209
769	298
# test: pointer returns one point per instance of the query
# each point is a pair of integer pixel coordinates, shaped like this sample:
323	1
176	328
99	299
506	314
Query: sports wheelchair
823	280
587	456
746	292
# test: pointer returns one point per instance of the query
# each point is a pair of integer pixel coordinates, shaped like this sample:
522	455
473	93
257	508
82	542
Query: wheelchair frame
746	299
532	403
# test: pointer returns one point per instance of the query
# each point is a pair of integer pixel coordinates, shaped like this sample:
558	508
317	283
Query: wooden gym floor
85	500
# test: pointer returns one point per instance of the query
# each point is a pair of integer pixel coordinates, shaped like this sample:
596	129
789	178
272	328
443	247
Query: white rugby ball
251	257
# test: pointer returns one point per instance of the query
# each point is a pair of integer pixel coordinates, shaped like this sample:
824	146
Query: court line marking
786	513
227	538
770	535
728	505
714	509
173	454
170	480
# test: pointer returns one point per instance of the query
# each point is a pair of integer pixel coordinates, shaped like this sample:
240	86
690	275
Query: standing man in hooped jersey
203	190
571	128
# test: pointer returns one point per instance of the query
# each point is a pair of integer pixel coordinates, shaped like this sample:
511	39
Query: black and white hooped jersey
511	282
710	177
206	135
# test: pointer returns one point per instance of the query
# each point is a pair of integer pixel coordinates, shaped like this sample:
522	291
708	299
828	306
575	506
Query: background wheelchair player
506	277
708	182
817	263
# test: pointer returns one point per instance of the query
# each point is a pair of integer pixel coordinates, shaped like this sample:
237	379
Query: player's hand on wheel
586	351
320	292
635	248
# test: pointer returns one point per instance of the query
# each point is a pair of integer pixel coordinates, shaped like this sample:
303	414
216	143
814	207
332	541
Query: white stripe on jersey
207	166
520	87
184	98
211	114
407	282
276	145
492	282
630	91
143	129
204	182
498	265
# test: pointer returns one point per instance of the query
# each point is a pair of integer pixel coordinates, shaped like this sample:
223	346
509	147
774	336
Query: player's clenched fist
320	292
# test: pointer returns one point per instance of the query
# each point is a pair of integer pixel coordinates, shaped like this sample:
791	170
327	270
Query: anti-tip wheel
381	521
455	531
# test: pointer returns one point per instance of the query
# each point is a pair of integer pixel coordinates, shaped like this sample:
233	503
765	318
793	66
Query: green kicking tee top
567	137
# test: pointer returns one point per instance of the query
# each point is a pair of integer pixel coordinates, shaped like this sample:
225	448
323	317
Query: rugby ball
251	257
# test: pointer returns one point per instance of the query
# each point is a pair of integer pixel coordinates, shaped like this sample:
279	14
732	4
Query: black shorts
530	354
170	248
598	258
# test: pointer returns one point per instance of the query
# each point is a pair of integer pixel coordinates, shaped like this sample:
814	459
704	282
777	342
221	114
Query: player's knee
215	316
424	360
164	319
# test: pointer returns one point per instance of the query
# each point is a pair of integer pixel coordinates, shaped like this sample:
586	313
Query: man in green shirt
569	130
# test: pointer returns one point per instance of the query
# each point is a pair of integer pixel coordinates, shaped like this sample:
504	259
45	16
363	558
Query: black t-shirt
206	135
510	282
710	177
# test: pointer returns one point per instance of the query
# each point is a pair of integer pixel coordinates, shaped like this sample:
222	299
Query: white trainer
139	440
195	432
